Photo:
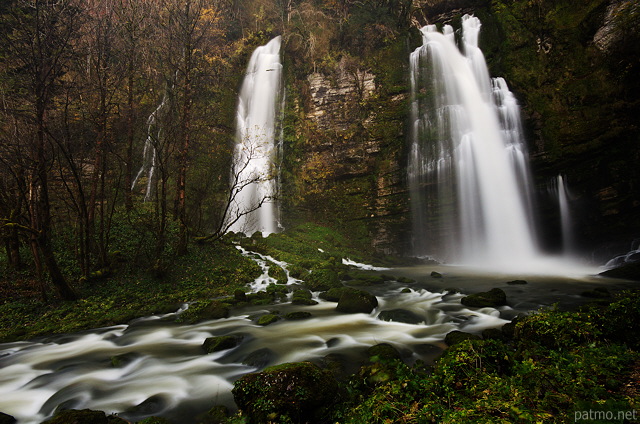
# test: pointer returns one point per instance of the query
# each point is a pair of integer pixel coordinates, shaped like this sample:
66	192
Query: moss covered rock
295	392
356	301
297	315
268	319
332	295
303	297
216	344
455	337
383	352
491	298
401	315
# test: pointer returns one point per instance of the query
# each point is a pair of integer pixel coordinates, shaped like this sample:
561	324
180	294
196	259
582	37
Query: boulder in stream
293	392
356	301
401	315
216	344
491	298
455	337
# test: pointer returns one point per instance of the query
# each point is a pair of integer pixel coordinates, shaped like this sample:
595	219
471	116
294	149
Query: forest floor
552	365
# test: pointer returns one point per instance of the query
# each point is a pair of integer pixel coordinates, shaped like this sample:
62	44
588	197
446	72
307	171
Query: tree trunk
43	213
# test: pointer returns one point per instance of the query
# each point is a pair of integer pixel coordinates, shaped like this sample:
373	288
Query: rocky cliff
574	70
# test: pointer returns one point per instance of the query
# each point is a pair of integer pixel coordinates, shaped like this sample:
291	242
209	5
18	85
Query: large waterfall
254	173
467	169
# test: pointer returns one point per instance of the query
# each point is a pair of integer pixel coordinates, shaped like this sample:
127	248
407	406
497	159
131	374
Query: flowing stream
155	366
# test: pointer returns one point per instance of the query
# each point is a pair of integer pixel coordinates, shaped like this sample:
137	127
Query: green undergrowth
310	246
557	365
206	271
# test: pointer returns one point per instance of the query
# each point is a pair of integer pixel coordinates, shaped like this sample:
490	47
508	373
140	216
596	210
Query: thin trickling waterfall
467	170
566	222
151	147
254	172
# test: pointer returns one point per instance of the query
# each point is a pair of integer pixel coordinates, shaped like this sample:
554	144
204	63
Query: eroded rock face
332	101
351	161
611	31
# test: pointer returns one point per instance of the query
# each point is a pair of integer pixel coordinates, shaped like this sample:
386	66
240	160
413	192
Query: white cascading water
253	170
565	216
150	151
467	170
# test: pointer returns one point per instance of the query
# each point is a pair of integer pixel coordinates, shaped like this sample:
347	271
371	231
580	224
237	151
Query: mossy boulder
303	297
492	298
435	274
356	301
516	282
332	295
78	416
268	319
294	392
456	336
383	352
216	344
297	315
401	315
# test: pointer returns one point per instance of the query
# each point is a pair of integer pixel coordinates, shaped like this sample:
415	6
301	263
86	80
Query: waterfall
150	150
254	172
566	223
467	170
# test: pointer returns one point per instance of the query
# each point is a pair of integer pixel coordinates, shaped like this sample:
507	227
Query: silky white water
152	145
254	172
163	370
467	171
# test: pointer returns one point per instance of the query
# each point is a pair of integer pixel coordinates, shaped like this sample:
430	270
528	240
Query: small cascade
566	223
254	169
264	262
633	255
151	147
468	173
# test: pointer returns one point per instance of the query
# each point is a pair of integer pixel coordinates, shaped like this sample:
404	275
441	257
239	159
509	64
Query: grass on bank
131	290
207	271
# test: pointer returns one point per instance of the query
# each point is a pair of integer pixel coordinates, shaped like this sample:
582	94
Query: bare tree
233	208
39	47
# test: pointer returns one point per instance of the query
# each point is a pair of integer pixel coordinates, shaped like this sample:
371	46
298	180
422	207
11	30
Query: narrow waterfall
468	174
254	172
150	150
566	223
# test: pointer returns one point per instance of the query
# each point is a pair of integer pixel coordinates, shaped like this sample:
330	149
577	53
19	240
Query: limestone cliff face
350	170
573	69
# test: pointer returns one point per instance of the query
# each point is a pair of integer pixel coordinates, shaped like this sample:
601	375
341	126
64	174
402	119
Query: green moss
561	362
268	319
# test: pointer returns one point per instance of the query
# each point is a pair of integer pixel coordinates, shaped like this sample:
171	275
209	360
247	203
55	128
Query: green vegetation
557	363
208	271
